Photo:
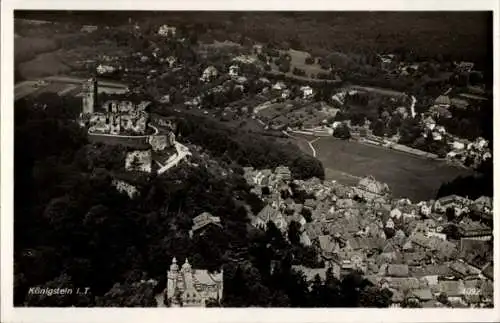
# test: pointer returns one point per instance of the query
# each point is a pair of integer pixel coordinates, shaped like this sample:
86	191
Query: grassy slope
408	176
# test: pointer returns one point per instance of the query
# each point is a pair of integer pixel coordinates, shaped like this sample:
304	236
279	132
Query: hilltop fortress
126	123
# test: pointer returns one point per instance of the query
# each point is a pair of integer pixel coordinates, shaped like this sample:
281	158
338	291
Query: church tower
89	98
188	275
172	277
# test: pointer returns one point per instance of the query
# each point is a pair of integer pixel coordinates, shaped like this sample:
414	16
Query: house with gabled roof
445	249
209	74
420	295
453	289
474	229
461	270
431	273
370	189
443	101
404	284
483	208
414	258
394	270
408	246
203	221
328	246
475	252
352	261
268	213
453	200
189	287
314	229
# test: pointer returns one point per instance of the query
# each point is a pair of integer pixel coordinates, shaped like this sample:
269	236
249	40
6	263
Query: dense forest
473	186
248	148
427	34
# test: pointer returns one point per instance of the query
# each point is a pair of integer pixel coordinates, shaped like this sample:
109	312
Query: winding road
182	152
412	107
308	142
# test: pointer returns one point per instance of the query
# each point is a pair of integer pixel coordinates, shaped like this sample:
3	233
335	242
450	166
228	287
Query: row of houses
397	244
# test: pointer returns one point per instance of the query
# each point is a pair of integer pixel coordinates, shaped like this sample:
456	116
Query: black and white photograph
285	158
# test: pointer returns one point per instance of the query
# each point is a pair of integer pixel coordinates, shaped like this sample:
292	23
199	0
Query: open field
26	48
407	175
27	88
55	49
64	85
298	60
24	89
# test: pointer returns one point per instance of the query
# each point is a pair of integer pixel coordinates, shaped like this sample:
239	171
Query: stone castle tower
89	98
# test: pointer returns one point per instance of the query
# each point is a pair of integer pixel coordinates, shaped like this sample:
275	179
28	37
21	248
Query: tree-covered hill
456	35
72	228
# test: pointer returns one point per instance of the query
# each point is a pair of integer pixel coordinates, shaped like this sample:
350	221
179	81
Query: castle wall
139	142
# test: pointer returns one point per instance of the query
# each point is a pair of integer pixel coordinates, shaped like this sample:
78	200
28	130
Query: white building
165	99
339	97
487	155
167	31
234	70
241	80
335	124
209	74
443	101
171	60
429	123
425	210
457	145
439	235
190	287
307	92
437	136
103	69
279	86
285	94
481	143
396	213
440	129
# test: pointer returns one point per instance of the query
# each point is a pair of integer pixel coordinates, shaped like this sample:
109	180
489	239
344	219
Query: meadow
407	176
